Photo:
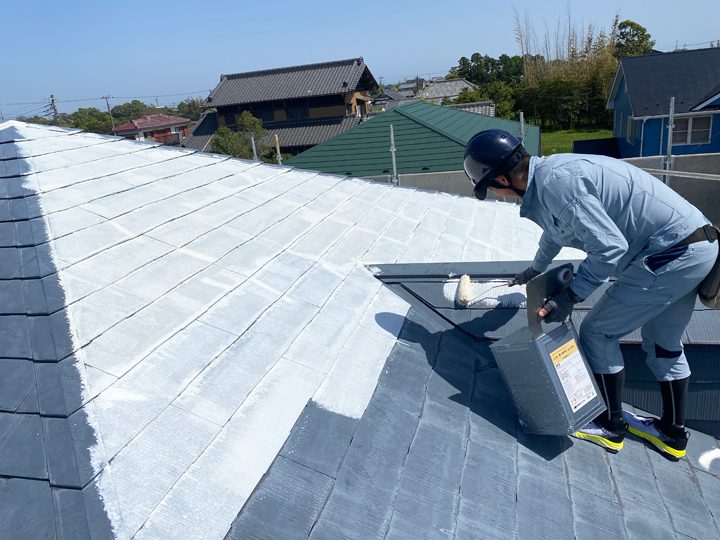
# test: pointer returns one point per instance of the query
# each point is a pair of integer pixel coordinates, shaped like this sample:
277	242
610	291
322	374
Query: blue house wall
654	132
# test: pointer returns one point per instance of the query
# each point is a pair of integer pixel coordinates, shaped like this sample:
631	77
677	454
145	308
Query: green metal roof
428	138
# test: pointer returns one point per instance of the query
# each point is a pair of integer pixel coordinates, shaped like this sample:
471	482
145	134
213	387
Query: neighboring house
486	108
640	98
429	140
445	89
316	99
162	128
199	347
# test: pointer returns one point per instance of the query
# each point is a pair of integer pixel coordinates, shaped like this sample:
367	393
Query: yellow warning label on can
561	353
573	374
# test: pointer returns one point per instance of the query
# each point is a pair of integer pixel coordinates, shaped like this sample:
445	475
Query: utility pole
107	102
53	107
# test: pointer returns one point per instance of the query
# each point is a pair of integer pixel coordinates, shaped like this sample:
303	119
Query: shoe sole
657	443
608	445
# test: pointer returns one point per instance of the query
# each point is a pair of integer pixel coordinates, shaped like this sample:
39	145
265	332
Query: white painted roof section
210	298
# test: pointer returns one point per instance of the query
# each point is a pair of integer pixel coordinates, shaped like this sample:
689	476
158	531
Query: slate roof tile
192	307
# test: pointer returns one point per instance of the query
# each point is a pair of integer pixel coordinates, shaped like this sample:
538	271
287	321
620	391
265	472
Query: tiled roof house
302	105
162	128
198	347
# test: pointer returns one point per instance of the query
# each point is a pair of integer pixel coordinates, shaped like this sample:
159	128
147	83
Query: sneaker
595	433
650	429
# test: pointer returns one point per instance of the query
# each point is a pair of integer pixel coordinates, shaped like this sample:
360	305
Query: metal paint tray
550	382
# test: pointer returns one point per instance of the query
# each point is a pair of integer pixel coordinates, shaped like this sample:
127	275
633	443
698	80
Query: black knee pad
664	353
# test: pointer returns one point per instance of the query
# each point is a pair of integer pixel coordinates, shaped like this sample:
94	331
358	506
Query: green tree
34	120
632	39
191	108
92	119
236	143
130	111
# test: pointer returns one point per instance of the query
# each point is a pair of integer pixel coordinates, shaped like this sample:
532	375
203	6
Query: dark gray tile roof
689	76
439	454
326	78
200	136
301	133
291	133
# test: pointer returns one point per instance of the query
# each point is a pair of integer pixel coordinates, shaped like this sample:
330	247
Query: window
692	130
297	112
229	119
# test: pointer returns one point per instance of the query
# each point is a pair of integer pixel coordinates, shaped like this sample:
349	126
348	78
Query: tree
236	143
129	111
191	108
92	119
632	39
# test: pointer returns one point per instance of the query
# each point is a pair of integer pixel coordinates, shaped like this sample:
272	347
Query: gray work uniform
622	217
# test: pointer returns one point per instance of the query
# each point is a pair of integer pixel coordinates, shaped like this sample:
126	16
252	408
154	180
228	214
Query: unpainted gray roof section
440	454
327	78
688	76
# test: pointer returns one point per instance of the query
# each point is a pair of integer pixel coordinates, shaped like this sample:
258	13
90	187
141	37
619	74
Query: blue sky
77	50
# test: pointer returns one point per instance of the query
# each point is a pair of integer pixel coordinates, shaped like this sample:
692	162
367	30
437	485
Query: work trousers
658	302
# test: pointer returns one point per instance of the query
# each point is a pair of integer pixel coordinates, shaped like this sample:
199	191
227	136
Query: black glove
523	277
561	304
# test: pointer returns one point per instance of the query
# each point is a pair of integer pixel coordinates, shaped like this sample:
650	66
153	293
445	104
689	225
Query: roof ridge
401	110
289	69
669	53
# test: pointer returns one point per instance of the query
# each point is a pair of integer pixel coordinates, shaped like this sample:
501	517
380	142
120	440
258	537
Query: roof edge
288	69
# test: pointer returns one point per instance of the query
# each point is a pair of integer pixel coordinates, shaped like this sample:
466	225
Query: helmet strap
495	184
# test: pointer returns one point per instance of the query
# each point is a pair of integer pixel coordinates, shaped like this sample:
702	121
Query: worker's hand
558	307
523	277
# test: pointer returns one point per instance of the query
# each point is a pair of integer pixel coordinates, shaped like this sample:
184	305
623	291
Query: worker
657	245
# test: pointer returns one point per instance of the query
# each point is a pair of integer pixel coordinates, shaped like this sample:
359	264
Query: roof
446	89
692	77
200	136
152	121
195	347
294	133
478	107
310	80
291	133
428	138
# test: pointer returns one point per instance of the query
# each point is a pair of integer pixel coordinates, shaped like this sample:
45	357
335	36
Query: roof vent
344	84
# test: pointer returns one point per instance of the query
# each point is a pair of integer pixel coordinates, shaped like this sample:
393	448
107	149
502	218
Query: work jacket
608	208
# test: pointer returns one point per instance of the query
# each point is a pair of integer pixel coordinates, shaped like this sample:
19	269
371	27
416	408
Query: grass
556	142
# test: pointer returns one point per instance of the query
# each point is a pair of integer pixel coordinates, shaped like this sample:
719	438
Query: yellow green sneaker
651	430
612	441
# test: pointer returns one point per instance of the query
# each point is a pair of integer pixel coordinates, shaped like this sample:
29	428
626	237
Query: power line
100	98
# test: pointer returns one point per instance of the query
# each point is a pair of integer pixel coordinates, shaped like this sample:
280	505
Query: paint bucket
548	377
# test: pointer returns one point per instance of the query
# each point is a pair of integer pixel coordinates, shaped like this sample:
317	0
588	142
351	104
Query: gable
686	75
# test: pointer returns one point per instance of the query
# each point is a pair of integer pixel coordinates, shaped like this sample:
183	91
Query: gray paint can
545	371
